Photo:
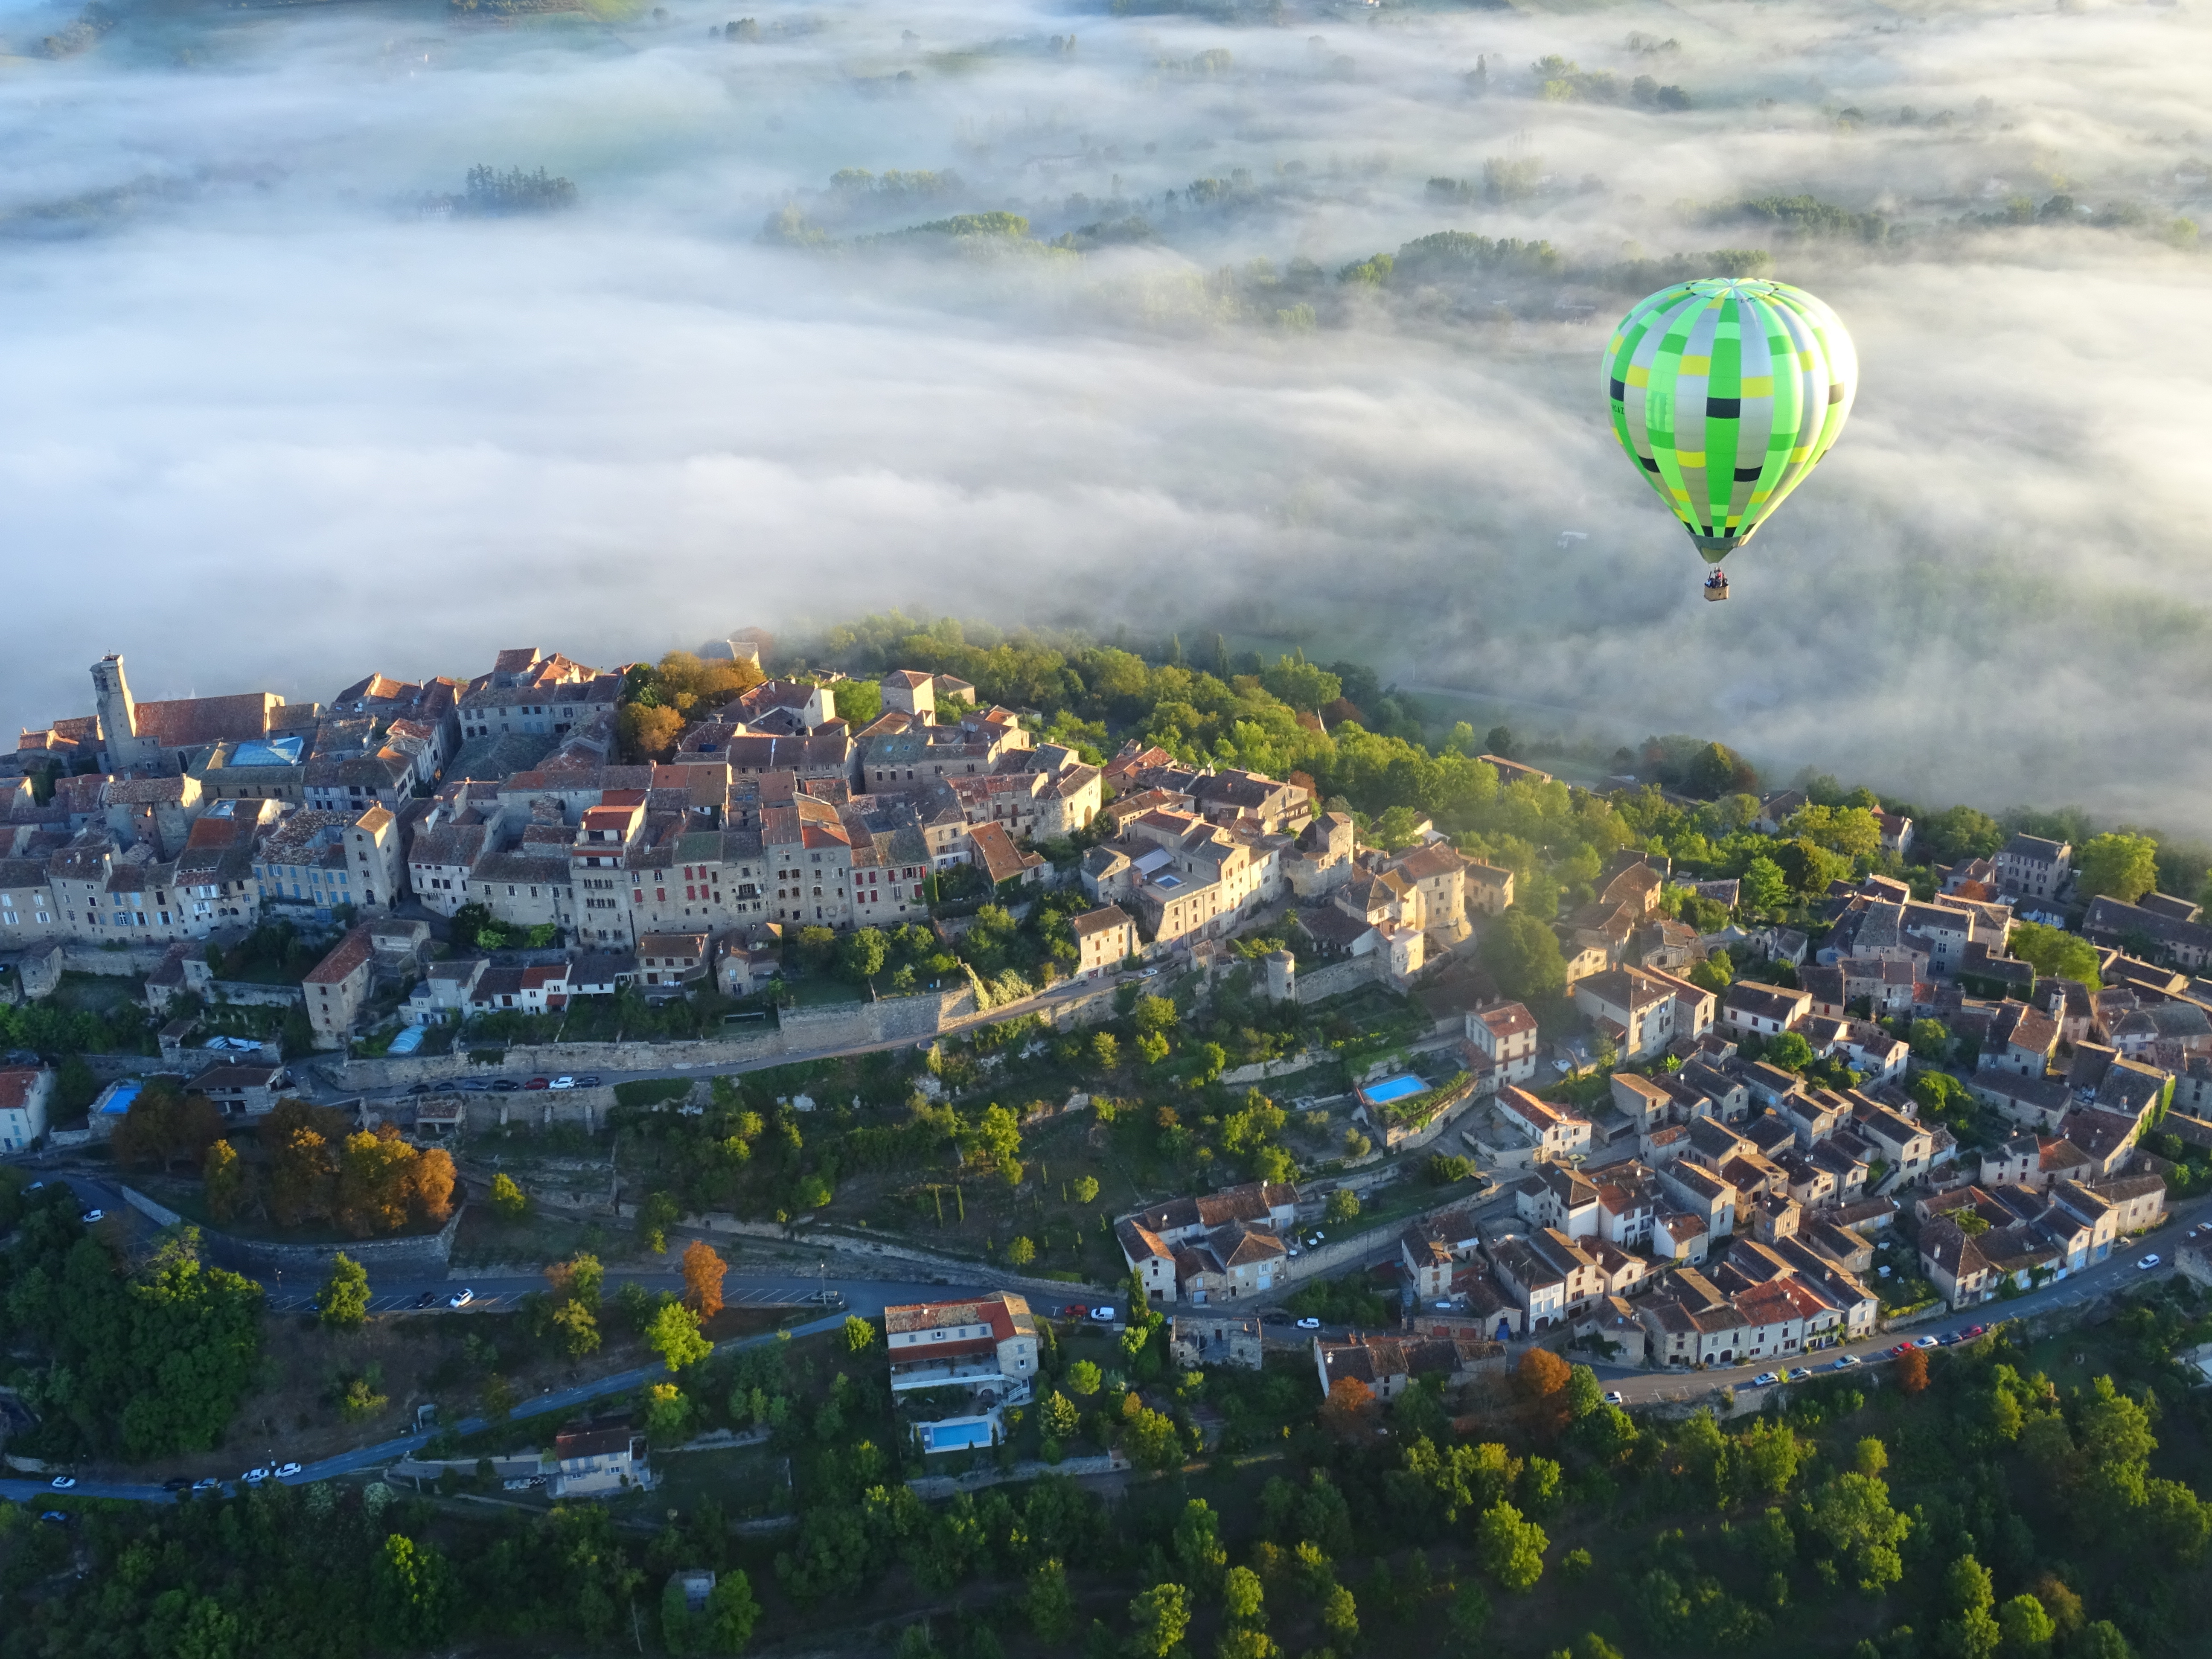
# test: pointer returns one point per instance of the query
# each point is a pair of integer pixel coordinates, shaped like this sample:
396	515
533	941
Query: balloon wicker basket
1717	588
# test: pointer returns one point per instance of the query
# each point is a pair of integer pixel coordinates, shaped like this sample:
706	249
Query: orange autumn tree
702	1279
1542	1380
1345	1413
1912	1370
365	1182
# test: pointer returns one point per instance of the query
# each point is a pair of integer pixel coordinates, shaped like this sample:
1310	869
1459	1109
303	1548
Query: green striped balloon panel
1726	393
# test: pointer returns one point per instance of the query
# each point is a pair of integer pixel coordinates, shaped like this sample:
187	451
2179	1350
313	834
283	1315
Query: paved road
368	1457
2116	1272
318	1087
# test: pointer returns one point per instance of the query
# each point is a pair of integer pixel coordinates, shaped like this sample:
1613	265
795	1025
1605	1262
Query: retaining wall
1318	983
427	1252
236	991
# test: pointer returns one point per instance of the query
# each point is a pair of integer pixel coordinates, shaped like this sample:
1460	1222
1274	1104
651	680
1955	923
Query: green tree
675	1335
1198	1547
1243	1598
2101	1640
1061	1419
1105	1052
1718	770
1511	1549
1468	1617
1083	1378
1343	1206
1300	684
1154	1016
1152	1048
508	1201
1852	1514
862	955
410	1593
2054	953
1085	1189
1522	955
1339	1617
667	1413
1960	833
2026	1628
2117	866
1931	1039
1048	1603
1971	1633
859	1334
1790	1050
1020	1253
575	1327
222	1179
344	1301
655	1217
1241	1642
1159	1618
1764	888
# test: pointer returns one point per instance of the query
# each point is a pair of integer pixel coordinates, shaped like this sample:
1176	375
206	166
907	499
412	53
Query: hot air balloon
1726	391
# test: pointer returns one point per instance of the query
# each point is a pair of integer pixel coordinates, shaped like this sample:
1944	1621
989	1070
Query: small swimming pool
960	1435
1390	1089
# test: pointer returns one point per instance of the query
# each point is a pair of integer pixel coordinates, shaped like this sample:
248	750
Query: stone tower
119	715
1282	976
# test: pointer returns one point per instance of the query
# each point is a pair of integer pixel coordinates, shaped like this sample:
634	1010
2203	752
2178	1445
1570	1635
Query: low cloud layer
271	423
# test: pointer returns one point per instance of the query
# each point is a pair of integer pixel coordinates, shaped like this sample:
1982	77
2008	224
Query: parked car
34	1187
2142	1266
177	1482
255	1477
1901	1348
286	1471
425	1299
502	1086
62	1482
540	1083
55	1518
91	1216
1105	1315
460	1299
1074	1311
206	1483
1274	1316
562	1083
1844	1362
1614	1397
418	1087
1925	1342
589	1080
1310	1324
1977	1330
1764	1379
475	1085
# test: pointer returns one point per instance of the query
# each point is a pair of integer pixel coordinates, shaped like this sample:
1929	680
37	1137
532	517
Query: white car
1764	1380
1614	1397
91	1216
2146	1263
1308	1324
206	1483
254	1477
286	1471
1105	1315
562	1083
460	1299
1845	1362
63	1482
1926	1342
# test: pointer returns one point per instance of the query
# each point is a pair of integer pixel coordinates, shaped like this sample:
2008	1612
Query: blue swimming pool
959	1435
1394	1088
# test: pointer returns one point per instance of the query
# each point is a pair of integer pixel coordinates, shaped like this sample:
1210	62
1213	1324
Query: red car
540	1083
1075	1311
1902	1347
1977	1330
